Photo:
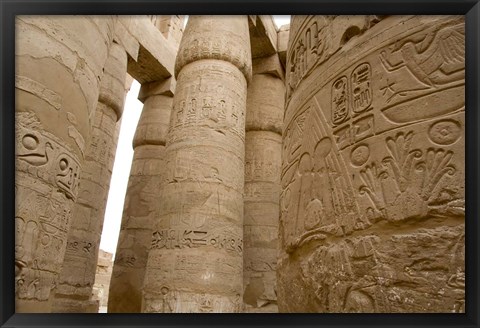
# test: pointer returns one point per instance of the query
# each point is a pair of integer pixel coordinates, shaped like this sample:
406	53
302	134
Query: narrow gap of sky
123	162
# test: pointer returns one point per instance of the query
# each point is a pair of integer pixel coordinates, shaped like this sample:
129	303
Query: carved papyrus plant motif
371	177
435	167
410	199
401	159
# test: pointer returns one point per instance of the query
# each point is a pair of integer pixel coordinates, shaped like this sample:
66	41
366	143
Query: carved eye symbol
63	164
30	142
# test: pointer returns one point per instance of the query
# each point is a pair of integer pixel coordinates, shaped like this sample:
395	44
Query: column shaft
373	180
59	62
77	276
144	183
263	148
141	203
196	259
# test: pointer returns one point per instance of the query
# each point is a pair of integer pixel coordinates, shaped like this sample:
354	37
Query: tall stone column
263	150
59	62
195	263
373	176
143	187
75	283
141	200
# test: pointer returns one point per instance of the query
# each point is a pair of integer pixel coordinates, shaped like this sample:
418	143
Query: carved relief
198	102
374	223
361	88
445	132
319	38
426	68
404	167
172	239
43	154
340	106
317	199
360	155
68	177
46	184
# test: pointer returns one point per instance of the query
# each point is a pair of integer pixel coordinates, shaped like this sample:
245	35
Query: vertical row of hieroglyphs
263	149
195	262
59	62
373	174
77	276
146	174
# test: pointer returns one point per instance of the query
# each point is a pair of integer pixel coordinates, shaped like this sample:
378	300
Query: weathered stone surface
201	40
372	205
195	263
141	202
269	65
263	150
102	280
76	279
265	103
59	62
282	43
146	174
263	36
151	58
343	192
163	87
171	27
153	125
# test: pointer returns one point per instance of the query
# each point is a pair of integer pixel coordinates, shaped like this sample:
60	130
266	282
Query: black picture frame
10	8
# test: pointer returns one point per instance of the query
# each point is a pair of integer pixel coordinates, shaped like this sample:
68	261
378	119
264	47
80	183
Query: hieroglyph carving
46	187
40	155
373	174
320	37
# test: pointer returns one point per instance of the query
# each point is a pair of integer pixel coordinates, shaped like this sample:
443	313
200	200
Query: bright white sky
123	162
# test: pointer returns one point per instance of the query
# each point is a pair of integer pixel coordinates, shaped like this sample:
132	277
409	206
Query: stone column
59	62
263	149
373	180
76	279
141	199
195	263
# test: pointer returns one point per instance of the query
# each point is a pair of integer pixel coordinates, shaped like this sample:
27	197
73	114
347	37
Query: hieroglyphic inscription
261	166
175	238
310	47
359	129
361	96
203	100
47	186
392	109
340	106
41	155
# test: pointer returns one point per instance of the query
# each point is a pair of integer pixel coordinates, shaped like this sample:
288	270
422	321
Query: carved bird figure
434	59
